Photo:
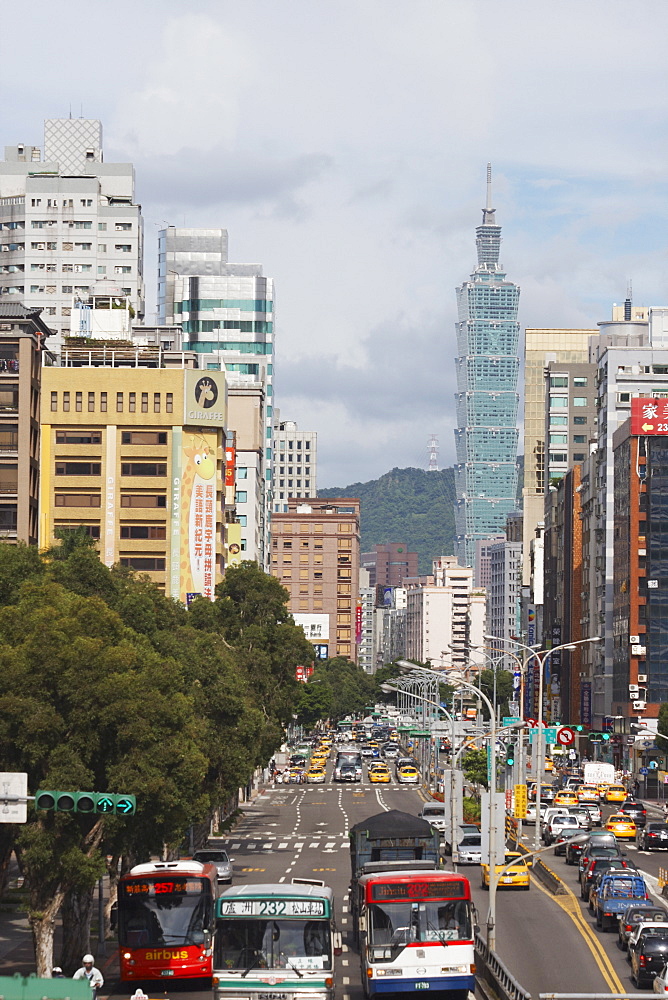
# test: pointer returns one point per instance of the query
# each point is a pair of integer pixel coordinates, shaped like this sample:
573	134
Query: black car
643	910
595	848
297	760
635	811
648	955
653	837
574	849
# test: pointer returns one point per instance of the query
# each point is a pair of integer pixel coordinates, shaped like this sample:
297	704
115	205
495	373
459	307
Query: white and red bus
166	920
415	932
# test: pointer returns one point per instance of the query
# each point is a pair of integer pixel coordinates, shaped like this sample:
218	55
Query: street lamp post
493	879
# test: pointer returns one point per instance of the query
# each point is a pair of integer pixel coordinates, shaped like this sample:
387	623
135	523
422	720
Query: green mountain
406	505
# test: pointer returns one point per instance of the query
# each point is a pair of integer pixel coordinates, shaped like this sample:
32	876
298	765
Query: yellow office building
136	456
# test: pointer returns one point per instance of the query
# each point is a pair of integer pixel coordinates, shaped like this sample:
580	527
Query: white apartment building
366	650
69	225
295	462
445	621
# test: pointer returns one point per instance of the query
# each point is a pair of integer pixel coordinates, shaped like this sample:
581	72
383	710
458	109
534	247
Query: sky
343	144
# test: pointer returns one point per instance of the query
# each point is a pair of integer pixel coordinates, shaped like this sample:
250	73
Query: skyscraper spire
488	218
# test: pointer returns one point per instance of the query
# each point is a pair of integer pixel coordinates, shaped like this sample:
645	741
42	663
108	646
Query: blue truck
614	894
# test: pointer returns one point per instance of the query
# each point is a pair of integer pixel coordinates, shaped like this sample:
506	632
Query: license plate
166	972
272	996
422	986
507	880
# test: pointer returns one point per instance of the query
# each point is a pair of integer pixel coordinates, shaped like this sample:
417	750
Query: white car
660	984
470	850
531	813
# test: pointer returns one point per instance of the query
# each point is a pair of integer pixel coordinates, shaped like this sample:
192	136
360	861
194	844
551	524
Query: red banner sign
230	462
649	416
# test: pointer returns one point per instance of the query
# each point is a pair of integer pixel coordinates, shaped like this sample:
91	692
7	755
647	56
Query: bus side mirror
337	943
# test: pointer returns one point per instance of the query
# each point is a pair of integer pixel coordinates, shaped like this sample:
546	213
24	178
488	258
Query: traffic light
86	802
599	737
510	754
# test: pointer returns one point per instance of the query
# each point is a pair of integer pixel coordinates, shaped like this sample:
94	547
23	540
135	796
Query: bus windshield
399	923
272	944
151	921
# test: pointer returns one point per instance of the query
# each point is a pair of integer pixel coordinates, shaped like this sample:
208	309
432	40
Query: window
579	439
122	269
123	227
78	437
67	289
102	227
580	381
132	402
123	248
143	437
578	456
143	564
345	527
101	269
143	469
102	248
119	402
66	402
558	439
169	402
558	402
83	246
54	400
81	225
156	403
78	401
242	473
91	402
92	530
558	381
144	402
579	420
579	400
77	499
241	496
86	202
151	531
556	421
143	500
103	402
78	468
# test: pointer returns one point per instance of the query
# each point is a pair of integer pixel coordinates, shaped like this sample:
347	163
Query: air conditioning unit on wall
634	639
639	706
642	678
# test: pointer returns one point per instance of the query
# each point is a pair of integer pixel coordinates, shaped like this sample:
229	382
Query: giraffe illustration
198	511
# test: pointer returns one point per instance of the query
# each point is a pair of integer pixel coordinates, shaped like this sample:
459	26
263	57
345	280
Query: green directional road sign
86	802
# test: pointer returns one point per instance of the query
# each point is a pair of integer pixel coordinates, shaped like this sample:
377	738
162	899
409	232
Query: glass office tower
487	369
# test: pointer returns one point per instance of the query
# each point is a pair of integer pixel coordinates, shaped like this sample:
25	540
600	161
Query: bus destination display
272	908
161	887
387	891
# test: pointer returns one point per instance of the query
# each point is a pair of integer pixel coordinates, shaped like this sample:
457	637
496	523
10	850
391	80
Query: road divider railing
491	971
542	871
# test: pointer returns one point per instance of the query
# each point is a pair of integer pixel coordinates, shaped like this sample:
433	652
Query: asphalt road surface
302	831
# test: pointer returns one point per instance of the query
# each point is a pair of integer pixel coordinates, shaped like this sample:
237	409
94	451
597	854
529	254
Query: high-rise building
487	400
315	555
390	564
541	348
445	620
23	334
503	586
226	312
69	225
295	462
134	455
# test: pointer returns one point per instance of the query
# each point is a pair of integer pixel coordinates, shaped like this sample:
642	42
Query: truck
615	893
390	841
598	773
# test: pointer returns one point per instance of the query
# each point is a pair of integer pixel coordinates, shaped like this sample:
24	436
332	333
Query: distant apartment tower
487	370
69	224
226	312
445	621
366	613
541	348
295	462
504	584
315	555
23	334
389	564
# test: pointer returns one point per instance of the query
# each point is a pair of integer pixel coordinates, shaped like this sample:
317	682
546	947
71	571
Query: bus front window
393	925
156	921
272	944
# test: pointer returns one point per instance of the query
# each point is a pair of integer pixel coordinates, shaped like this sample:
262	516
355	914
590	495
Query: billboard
649	416
316	626
233	541
195	543
204	398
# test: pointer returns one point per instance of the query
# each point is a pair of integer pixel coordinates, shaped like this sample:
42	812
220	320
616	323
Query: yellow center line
570	905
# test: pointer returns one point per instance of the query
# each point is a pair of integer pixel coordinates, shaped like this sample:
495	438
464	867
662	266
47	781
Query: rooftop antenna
433	454
628	301
488	218
70	109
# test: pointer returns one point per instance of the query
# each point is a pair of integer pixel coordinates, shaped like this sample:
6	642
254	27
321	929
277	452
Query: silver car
470	850
220	859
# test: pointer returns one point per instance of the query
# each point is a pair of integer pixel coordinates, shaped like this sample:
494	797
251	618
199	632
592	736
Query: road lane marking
570	905
346	980
329	846
282	846
282	878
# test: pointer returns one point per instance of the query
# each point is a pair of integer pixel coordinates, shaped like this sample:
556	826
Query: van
434	813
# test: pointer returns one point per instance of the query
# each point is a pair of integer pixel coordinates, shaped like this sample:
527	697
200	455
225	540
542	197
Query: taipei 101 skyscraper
487	369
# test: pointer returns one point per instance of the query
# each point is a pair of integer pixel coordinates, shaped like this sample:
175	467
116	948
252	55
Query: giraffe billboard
194	522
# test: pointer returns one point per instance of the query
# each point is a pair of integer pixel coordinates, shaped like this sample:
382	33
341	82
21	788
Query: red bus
166	920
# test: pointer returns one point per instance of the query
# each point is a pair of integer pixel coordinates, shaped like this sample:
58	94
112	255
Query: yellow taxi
566	798
379	774
616	793
408	776
622	826
315	776
516	876
549	765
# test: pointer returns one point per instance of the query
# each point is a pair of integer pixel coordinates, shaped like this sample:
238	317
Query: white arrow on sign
13	785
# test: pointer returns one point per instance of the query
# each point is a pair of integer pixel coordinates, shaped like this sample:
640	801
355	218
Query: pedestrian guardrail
492	971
